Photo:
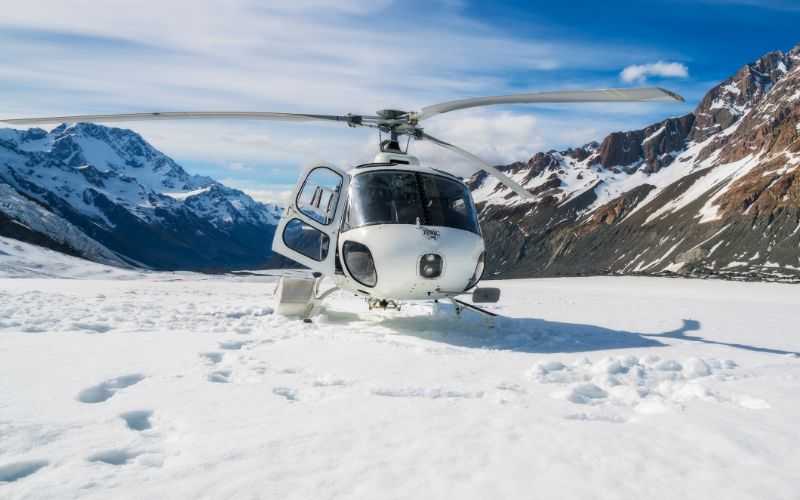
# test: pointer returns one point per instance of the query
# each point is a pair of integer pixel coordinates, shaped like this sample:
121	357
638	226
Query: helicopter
391	230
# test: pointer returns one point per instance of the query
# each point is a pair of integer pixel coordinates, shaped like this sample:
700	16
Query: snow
717	245
186	194
22	260
654	134
721	175
736	264
37	218
732	88
184	385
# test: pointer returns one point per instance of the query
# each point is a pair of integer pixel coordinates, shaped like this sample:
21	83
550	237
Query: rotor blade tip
675	96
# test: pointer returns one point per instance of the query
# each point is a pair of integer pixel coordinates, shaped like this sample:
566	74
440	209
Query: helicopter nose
430	265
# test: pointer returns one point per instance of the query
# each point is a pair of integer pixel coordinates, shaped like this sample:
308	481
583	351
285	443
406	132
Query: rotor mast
393	120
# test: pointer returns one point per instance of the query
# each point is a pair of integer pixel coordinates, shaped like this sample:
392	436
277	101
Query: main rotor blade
190	115
485	166
646	94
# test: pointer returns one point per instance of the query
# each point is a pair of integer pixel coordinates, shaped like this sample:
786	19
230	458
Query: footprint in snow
645	385
330	380
17	470
234	345
113	457
212	357
286	392
103	391
420	392
138	420
91	327
611	418
220	376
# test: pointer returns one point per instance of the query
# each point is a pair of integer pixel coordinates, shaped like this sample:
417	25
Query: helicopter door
308	229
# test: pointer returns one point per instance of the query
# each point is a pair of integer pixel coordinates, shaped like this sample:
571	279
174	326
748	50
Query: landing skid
298	296
383	304
488	316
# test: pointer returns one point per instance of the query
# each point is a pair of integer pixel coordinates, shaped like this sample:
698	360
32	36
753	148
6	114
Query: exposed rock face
650	149
107	195
713	192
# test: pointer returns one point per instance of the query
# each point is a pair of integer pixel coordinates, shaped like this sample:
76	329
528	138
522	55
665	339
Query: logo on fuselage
431	234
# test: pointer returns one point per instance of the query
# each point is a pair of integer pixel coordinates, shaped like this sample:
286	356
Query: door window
307	240
319	195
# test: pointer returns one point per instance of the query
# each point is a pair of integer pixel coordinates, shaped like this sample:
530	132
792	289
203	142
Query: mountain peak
727	102
118	192
712	192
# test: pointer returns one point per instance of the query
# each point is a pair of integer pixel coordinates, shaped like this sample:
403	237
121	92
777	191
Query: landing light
359	262
430	265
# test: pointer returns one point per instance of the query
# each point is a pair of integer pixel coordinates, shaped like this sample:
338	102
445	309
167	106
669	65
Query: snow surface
22	260
37	218
184	385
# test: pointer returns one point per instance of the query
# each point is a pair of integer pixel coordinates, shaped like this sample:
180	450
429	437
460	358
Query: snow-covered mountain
715	191
107	195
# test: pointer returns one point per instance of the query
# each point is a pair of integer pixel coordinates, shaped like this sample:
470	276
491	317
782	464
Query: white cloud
496	137
237	166
299	56
640	72
280	198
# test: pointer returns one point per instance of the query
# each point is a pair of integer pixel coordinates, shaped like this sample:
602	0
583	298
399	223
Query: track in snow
185	385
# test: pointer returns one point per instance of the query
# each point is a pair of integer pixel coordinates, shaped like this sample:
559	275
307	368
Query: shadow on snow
531	335
691	325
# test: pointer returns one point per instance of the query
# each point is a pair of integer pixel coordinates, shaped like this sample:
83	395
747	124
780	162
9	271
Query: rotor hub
391	114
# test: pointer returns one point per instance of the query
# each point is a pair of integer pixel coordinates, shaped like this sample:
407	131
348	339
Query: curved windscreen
402	197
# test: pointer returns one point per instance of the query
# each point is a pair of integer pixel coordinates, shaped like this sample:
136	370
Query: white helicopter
390	230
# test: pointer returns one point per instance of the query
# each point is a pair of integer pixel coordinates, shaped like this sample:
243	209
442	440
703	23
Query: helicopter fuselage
400	231
399	253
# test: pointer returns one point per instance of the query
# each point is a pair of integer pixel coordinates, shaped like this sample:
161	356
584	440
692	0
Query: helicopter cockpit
408	197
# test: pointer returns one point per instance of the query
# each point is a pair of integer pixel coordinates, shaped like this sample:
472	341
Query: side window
319	195
307	240
460	206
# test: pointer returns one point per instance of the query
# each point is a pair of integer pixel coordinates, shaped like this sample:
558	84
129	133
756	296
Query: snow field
189	386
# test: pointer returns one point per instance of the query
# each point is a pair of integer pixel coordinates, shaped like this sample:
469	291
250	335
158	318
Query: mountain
714	192
107	195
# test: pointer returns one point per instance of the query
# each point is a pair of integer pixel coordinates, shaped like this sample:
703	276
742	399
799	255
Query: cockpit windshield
403	197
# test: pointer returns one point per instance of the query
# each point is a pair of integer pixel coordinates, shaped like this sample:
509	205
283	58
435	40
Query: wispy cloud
640	72
298	56
237	166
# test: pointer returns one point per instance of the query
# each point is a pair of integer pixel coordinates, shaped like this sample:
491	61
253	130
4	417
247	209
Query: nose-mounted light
359	262
430	265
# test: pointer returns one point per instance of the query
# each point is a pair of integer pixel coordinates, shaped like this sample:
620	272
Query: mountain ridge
109	196
714	192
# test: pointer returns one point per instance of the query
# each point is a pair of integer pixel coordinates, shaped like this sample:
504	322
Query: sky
359	56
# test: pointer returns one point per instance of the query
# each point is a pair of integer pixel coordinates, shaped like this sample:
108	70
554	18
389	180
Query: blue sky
362	55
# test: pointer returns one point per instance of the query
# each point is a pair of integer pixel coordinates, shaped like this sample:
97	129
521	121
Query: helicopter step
296	296
488	316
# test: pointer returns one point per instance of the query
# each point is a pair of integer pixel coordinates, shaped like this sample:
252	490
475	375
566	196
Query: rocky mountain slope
107	195
716	191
